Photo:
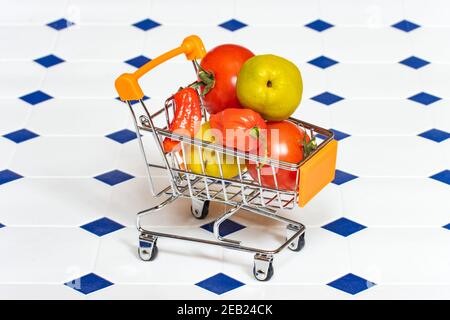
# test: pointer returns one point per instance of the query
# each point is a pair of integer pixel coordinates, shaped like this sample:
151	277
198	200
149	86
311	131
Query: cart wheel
200	209
263	276
262	268
298	244
148	254
148	250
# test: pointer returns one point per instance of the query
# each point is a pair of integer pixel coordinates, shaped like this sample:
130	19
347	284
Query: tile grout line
256	227
297	25
252	283
26	121
375	98
305	61
41	82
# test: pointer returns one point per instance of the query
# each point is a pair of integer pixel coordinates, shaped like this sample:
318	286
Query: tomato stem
308	147
206	78
254	132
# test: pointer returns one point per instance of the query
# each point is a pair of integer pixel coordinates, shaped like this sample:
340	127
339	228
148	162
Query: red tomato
239	128
224	62
284	143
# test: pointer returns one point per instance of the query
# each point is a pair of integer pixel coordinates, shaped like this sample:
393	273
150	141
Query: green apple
270	85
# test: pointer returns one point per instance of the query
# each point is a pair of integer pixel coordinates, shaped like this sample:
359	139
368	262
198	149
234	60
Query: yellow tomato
209	157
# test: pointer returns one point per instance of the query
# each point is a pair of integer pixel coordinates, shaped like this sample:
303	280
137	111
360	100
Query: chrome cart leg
263	269
199	208
222	219
298	243
147	247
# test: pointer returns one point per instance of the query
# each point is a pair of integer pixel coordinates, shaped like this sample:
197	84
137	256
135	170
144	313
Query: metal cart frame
239	193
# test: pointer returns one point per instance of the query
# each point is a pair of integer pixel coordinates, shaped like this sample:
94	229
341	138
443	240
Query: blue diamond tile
443	176
447	226
424	98
146	24
327	98
2	225
319	25
36	97
21	135
414	62
60	24
88	283
138	61
219	284
114	177
320	136
49	61
226	228
322	62
351	284
8	176
338	135
133	102
122	136
344	227
232	25
102	226
435	135
342	177
406	25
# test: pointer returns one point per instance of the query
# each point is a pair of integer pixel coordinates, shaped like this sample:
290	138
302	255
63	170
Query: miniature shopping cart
238	193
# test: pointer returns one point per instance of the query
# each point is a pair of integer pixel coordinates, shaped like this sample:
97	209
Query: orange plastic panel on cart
317	172
127	85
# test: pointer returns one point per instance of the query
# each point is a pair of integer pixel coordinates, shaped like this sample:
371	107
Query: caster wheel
148	253
298	244
261	276
200	212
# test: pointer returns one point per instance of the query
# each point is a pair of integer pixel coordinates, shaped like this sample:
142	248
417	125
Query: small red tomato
285	142
239	128
223	64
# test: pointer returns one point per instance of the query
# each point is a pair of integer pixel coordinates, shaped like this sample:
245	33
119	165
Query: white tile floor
384	234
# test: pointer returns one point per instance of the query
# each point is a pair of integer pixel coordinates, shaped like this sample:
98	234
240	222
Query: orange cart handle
127	85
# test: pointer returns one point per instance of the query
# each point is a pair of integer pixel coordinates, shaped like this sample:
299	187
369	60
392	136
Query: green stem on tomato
206	78
308	147
254	133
